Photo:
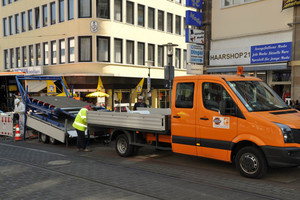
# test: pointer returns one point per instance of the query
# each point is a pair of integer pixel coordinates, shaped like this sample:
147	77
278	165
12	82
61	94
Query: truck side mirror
227	107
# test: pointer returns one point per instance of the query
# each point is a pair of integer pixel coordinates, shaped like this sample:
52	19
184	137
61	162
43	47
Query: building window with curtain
118	10
170	23
61	10
85	8
11	25
160	56
70	9
141	15
129	12
45	15
103	49
62	51
31	59
151	14
18	57
37	17
118	51
52	13
151	54
12	58
103	9
71	50
38	55
5	59
160	20
24	56
23	16
177	58
184	59
85	48
178	25
53	53
141	53
129	52
17	23
4	27
45	53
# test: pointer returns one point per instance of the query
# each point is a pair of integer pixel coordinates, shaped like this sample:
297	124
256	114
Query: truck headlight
286	132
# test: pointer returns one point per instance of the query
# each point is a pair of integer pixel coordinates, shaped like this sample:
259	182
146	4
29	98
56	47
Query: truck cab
235	119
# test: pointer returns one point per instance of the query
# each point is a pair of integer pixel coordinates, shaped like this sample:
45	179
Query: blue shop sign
278	52
193	18
194	3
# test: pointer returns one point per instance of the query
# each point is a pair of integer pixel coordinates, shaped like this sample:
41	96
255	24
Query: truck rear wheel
123	147
52	140
251	162
44	138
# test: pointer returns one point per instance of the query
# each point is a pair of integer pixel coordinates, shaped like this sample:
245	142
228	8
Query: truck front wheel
251	162
123	147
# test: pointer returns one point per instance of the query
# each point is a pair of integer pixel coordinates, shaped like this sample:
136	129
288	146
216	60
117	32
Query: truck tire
52	140
123	147
251	162
44	138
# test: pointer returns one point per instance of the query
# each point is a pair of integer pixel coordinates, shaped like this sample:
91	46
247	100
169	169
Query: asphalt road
32	170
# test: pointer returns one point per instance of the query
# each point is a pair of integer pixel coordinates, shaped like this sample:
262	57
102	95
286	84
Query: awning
247	68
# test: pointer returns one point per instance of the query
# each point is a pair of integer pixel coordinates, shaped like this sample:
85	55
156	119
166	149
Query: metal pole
170	81
149	87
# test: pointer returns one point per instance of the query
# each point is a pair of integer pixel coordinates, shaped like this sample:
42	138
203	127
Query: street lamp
169	71
149	64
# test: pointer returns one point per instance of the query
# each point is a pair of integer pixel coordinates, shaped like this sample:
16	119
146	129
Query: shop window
164	99
281	76
121	100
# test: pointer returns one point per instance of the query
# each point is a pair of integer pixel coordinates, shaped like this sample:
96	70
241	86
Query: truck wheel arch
116	132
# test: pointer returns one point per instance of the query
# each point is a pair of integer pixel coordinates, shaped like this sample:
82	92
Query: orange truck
232	118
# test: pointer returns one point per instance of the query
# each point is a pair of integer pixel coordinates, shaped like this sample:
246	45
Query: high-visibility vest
80	120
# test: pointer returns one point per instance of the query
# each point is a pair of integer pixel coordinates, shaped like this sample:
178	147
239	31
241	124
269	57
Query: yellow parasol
97	94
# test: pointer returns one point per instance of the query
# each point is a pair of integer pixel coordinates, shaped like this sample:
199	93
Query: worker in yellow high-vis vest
80	125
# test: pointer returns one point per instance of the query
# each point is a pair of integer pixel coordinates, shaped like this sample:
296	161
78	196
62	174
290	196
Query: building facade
84	39
260	36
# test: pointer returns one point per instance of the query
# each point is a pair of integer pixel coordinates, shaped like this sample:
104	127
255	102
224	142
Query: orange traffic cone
17	135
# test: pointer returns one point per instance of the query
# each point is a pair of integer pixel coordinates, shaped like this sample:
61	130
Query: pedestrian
140	103
20	110
80	125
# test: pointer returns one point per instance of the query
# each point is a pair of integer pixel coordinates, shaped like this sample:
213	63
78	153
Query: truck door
214	131
183	119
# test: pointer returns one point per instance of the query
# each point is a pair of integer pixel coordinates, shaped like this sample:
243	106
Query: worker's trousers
81	144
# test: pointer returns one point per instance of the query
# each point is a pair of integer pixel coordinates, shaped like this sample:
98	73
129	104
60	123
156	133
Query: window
45	16
170	23
24	56
85	49
23	16
118	51
129	52
37	17
5	59
61	10
141	15
151	53
18	57
62	51
4	26
129	12
3	2
38	55
52	13
17	23
184	95
184	59
177	58
160	20
178	1
53	53
30	20
46	53
103	44
11	25
151	18
160	56
70	9
12	59
141	53
85	8
30	55
103	9
71	50
178	25
118	10
212	94
228	3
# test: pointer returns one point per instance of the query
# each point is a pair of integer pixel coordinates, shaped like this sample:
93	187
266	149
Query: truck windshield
257	96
